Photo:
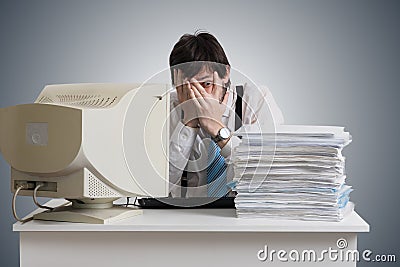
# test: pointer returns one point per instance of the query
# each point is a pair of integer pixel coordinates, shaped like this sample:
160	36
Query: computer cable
14	205
128	203
35	198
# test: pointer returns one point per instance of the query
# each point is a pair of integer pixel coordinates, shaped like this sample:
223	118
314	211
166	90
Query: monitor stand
98	213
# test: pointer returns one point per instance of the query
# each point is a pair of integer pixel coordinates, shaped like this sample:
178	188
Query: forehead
203	74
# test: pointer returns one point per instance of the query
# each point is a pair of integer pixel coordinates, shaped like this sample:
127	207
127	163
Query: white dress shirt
188	150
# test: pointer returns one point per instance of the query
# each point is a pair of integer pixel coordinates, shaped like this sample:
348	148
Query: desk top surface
197	220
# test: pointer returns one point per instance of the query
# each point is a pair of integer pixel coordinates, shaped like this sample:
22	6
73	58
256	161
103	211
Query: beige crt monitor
90	144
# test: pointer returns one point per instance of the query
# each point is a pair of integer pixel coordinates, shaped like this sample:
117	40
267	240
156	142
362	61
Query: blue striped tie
216	172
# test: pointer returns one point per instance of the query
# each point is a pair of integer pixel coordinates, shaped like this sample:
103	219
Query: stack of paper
298	172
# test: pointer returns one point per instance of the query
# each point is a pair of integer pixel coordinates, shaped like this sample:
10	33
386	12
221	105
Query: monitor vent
81	100
99	189
45	99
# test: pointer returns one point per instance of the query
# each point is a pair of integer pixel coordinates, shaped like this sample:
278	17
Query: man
203	108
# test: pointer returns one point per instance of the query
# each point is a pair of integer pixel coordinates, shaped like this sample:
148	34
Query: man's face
205	78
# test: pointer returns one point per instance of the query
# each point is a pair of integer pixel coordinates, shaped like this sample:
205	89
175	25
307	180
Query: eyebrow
204	77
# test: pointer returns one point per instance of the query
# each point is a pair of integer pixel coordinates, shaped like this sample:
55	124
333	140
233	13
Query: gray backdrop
326	62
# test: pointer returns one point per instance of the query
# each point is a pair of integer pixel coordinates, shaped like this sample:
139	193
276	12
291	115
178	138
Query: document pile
298	172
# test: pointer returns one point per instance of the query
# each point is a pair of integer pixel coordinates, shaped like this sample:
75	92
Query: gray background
326	62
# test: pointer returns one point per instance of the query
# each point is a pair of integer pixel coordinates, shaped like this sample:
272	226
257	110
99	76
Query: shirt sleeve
271	108
181	143
260	108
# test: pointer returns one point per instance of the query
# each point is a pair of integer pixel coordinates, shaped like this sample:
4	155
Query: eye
207	84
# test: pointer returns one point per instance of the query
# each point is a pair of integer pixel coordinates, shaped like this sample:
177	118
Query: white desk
183	237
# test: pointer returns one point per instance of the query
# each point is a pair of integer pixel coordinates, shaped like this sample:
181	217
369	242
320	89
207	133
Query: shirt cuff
184	135
227	150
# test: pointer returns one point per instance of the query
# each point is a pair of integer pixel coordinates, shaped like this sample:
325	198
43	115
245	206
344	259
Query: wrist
222	137
214	127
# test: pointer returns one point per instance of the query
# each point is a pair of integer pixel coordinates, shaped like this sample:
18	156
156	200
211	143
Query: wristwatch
223	134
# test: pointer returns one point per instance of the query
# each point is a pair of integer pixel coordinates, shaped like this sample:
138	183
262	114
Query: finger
197	94
199	88
179	90
194	99
178	85
186	89
225	100
180	78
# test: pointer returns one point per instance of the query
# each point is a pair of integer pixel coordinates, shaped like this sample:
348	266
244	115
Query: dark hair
200	46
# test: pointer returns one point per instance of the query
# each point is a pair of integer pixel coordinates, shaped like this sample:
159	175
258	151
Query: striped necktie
216	172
